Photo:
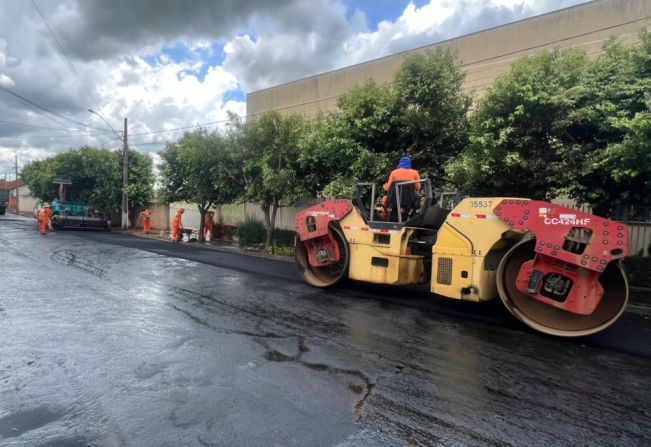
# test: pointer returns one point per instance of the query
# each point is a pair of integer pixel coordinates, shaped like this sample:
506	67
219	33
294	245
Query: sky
169	64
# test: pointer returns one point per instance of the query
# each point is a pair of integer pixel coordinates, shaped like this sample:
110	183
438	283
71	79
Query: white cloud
277	55
117	48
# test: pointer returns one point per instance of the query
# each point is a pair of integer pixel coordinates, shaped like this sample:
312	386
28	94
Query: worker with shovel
145	216
177	226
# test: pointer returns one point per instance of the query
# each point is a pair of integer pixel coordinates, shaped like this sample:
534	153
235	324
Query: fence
237	213
640	238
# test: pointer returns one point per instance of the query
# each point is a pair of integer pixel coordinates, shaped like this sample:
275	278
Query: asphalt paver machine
556	269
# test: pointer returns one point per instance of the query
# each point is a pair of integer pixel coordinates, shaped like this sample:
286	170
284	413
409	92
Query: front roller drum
328	275
552	320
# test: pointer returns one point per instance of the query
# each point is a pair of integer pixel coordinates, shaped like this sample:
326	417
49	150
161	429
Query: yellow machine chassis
464	258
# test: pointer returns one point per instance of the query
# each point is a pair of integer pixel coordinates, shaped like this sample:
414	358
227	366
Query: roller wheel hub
328	275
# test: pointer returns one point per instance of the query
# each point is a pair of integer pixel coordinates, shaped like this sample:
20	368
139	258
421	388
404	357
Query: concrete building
485	55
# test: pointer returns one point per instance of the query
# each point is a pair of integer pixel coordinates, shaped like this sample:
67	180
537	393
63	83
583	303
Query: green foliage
423	112
199	168
269	162
616	168
251	232
637	270
284	238
96	176
560	123
433	110
521	131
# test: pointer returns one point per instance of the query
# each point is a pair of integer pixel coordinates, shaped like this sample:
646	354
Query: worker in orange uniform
208	225
145	216
43	219
48	211
402	173
177	225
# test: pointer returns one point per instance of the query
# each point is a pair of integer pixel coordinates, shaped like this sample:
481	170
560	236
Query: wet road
108	340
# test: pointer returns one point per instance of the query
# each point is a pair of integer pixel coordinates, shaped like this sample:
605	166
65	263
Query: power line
178	128
36	109
81	135
42	109
40	127
65	54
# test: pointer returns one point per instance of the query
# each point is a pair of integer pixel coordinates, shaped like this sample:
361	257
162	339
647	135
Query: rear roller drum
551	320
328	275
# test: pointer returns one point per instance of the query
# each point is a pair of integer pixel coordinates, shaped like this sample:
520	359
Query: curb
222	248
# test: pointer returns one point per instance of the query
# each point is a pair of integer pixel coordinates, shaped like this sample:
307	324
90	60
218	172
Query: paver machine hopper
556	269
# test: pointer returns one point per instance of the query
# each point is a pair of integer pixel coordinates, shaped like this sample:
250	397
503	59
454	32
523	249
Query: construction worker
48	211
145	216
208	225
402	173
177	225
43	218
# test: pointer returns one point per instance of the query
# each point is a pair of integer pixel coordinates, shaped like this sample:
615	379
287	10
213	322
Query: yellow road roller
556	269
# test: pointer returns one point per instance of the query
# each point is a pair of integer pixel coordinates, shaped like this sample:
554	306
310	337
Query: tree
268	152
616	168
432	110
423	112
524	132
96	176
196	169
560	123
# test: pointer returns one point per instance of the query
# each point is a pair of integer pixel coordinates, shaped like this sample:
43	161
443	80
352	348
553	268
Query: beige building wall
484	55
26	201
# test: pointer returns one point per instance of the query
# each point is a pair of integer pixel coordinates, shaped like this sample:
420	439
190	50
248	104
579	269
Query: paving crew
402	173
145	216
177	225
43	218
208	225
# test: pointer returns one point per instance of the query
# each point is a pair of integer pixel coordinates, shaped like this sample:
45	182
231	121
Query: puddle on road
16	424
275	356
357	389
67	442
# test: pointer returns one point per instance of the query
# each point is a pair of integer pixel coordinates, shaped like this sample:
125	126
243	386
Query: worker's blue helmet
405	162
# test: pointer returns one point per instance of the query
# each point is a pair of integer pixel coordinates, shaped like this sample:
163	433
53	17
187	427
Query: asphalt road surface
112	340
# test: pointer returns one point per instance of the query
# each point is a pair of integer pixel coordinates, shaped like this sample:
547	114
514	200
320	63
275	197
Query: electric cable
42	109
65	54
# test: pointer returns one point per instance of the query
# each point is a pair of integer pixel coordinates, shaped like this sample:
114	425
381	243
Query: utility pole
125	180
17	203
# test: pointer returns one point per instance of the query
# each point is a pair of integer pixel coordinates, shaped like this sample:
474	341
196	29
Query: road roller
556	269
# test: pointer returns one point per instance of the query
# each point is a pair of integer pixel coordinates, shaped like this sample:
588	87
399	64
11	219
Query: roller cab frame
556	269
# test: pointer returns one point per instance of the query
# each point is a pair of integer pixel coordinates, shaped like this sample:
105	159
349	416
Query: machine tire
551	320
323	276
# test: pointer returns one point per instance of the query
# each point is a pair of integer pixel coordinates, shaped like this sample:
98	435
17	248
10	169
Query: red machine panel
313	222
572	249
566	234
312	227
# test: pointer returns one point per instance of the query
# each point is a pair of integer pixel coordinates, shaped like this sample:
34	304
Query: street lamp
125	170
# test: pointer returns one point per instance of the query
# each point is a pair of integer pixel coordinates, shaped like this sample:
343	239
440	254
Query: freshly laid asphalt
108	339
